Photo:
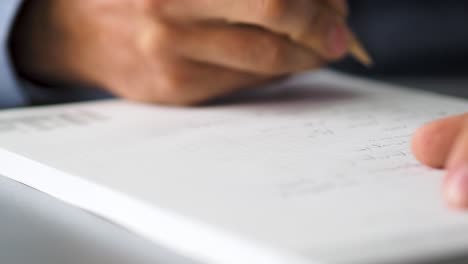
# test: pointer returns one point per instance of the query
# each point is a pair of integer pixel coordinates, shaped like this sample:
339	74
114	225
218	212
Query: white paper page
317	168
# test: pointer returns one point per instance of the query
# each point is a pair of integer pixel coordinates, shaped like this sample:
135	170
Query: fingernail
457	186
337	40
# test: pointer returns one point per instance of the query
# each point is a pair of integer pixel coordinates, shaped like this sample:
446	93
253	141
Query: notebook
313	169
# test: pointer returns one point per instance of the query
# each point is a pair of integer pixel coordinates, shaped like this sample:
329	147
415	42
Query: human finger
309	22
185	82
432	143
245	49
456	180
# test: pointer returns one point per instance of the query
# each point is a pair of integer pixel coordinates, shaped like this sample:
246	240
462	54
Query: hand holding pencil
179	51
353	46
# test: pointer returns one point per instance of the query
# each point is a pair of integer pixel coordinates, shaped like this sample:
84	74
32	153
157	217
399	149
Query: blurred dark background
411	38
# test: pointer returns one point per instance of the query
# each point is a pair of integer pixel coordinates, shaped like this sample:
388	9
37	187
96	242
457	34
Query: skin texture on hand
181	52
444	144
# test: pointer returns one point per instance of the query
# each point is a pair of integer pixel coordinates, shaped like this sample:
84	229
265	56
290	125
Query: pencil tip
358	51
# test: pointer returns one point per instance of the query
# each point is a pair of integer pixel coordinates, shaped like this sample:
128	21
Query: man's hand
176	51
444	144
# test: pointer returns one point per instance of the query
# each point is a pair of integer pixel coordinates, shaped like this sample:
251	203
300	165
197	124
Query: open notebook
316	169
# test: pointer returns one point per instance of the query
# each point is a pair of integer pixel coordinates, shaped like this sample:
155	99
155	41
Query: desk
36	228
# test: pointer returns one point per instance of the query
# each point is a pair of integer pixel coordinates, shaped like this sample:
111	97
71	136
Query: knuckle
158	38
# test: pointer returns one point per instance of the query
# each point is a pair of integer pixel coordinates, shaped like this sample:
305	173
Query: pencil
357	50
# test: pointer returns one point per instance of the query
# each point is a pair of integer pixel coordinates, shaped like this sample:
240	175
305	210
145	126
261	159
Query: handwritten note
318	166
47	122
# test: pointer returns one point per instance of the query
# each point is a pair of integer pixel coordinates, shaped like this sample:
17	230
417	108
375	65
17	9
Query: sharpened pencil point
358	51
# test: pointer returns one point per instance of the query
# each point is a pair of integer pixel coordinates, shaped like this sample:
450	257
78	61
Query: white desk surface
38	229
